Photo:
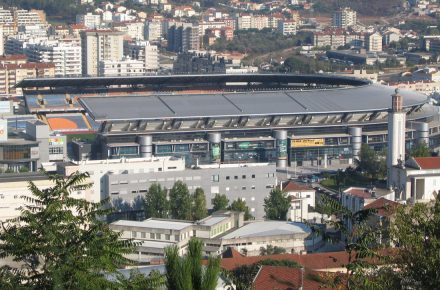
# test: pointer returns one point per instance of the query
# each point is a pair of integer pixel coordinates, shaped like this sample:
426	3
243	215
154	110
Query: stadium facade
288	119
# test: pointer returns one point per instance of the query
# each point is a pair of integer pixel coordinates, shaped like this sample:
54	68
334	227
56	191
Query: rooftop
267	228
290	186
425	163
155	224
383	206
367	193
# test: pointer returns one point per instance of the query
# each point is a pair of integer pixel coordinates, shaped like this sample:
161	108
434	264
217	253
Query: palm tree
186	273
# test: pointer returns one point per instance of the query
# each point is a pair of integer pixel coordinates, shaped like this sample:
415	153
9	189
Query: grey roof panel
366	98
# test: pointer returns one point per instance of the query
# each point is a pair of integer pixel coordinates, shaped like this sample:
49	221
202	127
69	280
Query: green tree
156	204
199	210
359	237
276	205
186	273
271	250
138	281
420	150
220	202
240	205
59	241
416	231
180	201
371	162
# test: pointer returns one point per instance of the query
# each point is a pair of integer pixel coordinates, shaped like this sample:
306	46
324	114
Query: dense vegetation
260	41
368	8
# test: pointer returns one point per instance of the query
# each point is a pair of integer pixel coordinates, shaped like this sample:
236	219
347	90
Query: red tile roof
358	192
285	278
428	162
384	206
290	186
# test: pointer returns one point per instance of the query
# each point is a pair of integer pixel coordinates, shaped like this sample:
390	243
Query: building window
133	234
56	150
253	175
176	238
215	178
235	177
243	176
243	188
143	235
228	177
253	186
152	236
167	237
158	236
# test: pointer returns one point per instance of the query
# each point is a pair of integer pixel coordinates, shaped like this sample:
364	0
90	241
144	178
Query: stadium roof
293	102
189	79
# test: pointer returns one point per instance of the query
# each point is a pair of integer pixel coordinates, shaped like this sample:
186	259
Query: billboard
3	130
56	141
282	149
307	143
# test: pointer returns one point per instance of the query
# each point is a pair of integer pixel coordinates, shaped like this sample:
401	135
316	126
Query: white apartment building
25	17
36	30
153	30
287	27
301	198
252	22
344	18
100	45
2	41
65	56
89	20
373	42
6	16
98	168
12	190
135	30
123	67
146	52
17	44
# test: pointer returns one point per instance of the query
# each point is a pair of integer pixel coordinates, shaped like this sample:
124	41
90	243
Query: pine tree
60	242
180	201
199	210
156	204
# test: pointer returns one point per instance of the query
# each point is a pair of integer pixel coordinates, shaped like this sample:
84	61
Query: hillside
363	7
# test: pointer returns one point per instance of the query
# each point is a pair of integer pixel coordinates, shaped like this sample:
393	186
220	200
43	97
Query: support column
356	141
215	150
281	143
146	146
422	132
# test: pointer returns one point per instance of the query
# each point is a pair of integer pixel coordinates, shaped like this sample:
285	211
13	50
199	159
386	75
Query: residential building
153	30
218	232
287	27
13	59
32	17
89	20
12	74
66	56
187	63
417	180
133	29
100	45
124	67
373	42
6	16
144	51
302	200
344	17
183	38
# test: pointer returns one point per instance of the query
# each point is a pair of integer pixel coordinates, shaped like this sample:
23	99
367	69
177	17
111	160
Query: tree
138	281
240	205
416	231
358	236
271	250
156	204
186	273
180	201
220	202
371	162
420	150
276	205
59	242
199	210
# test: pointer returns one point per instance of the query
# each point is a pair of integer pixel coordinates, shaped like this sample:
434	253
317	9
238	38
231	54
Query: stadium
284	118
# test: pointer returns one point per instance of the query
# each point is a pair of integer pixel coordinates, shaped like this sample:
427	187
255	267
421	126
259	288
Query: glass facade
17	152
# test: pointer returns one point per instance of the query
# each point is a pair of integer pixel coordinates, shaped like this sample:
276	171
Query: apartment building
89	20
344	17
183	38
153	30
100	45
287	27
6	16
133	29
373	42
124	67
12	74
32	17
66	56
144	51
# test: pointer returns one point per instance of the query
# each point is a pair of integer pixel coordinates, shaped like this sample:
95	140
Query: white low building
302	197
218	232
